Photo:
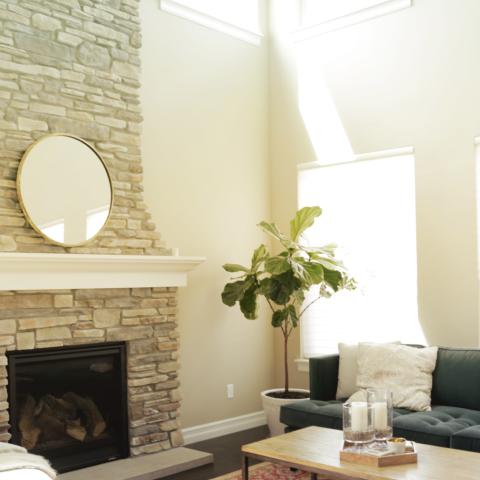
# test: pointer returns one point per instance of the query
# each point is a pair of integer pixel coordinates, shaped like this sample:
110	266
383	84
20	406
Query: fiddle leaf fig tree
285	278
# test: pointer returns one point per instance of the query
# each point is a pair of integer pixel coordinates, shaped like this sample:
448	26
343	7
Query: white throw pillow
406	371
347	369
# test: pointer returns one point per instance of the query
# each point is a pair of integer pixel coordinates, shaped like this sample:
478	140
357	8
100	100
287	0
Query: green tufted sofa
453	422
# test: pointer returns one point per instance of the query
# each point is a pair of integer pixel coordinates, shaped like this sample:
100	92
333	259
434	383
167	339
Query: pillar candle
359	416
380	415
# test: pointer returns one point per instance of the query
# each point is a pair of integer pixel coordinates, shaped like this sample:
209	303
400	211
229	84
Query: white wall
205	139
408	78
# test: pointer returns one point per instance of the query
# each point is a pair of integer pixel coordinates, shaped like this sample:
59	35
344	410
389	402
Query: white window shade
369	211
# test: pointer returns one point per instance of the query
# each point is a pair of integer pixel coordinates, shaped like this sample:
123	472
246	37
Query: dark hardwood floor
226	454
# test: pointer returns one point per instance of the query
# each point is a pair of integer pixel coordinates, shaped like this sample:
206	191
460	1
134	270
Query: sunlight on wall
318	110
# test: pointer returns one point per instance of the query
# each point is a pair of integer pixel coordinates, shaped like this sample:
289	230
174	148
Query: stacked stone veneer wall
73	66
144	317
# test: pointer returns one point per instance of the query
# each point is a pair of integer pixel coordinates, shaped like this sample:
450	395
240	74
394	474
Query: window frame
199	17
306	30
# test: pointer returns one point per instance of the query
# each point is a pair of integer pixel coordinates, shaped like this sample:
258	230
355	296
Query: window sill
196	16
302	364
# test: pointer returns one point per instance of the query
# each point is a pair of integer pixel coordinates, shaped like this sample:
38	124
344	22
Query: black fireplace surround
69	404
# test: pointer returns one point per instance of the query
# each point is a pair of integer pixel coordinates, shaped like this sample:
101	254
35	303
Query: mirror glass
64	189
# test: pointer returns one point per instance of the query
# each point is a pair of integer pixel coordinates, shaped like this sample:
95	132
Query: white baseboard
223	427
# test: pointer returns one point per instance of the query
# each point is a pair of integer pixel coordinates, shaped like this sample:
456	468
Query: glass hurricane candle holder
358	423
382	408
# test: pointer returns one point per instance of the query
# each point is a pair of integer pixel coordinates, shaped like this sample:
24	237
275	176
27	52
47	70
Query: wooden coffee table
316	450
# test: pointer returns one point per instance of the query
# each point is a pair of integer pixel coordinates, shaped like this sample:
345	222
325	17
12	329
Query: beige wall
409	78
205	139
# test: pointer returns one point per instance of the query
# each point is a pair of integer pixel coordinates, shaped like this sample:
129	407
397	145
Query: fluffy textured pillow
347	370
406	371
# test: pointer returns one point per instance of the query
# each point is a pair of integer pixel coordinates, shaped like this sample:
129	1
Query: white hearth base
145	467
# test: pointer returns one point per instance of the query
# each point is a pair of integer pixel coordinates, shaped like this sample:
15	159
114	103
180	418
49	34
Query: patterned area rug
266	471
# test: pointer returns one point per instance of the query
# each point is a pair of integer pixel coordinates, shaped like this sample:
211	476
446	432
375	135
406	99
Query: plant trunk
285	359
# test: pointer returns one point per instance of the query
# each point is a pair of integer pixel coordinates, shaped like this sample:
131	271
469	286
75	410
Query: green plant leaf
259	255
299	296
303	219
248	303
273	230
278	317
314	271
333	278
234	267
279	287
234	291
277	265
328	262
292	313
328	249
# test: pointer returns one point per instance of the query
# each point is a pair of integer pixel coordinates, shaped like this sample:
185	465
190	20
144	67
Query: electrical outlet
230	390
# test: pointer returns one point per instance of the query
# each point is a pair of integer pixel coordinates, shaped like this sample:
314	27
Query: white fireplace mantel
52	271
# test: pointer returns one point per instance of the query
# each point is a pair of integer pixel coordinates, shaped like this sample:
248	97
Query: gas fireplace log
64	410
75	430
51	426
95	422
29	430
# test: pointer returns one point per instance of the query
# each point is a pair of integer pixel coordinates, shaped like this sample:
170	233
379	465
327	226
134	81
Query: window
314	11
237	18
369	212
319	17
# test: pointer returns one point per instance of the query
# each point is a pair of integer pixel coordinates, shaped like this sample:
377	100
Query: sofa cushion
467	439
435	427
456	379
320	413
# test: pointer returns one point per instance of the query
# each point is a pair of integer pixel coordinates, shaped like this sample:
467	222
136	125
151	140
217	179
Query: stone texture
7	244
25	340
73	66
92	55
54	333
45	22
29	124
7	326
106	317
63	301
82	318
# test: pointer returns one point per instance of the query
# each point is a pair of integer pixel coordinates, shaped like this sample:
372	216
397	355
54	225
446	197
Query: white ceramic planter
271	407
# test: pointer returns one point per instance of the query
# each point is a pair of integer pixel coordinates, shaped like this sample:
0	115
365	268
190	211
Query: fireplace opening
69	404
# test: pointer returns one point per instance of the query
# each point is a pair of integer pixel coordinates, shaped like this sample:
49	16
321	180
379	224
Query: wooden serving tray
372	460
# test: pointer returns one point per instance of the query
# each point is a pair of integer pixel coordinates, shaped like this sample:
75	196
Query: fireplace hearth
69	404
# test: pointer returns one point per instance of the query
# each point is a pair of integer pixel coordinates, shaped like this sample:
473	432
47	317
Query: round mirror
64	189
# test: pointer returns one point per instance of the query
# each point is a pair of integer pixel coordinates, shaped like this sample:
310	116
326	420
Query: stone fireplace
72	66
144	318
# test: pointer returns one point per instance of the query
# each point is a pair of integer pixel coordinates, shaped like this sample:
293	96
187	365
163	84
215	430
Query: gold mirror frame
21	199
